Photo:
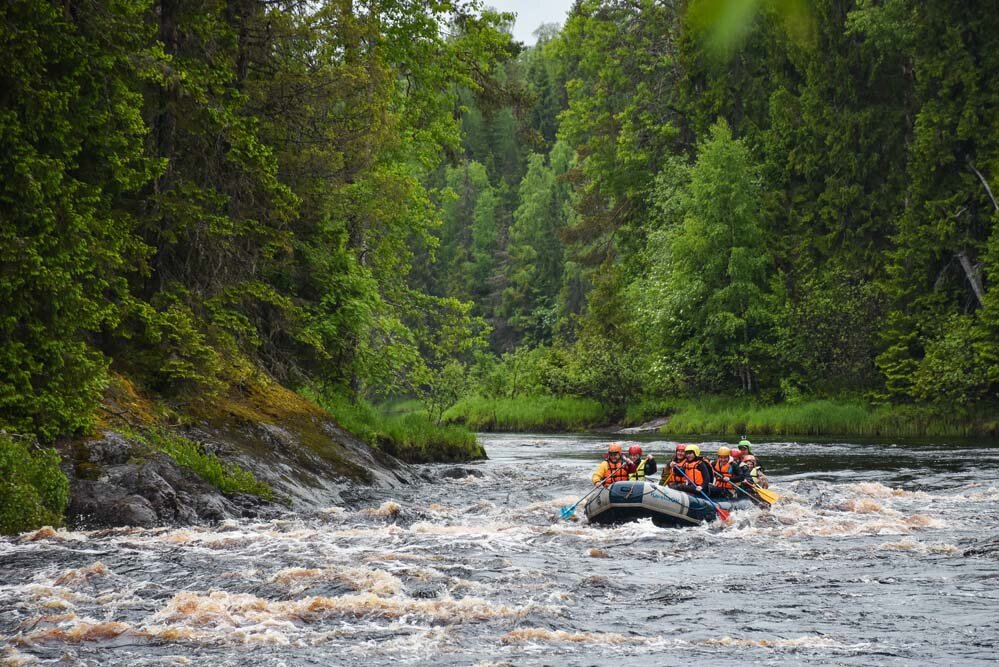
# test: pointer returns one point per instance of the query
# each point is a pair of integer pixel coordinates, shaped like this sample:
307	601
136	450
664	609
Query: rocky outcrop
651	426
309	461
115	481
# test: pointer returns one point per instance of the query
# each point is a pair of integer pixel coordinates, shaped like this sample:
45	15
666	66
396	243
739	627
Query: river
876	555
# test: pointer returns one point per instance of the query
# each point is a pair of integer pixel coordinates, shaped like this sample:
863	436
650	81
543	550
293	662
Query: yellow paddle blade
767	495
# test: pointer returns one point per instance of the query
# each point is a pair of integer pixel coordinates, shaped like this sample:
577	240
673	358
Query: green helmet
744	444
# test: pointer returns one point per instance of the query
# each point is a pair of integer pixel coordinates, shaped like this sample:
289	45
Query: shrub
33	490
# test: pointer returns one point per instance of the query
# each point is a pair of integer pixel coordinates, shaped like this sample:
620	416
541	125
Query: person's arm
602	471
708	473
650	465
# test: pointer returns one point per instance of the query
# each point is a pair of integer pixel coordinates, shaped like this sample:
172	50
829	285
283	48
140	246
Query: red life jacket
692	470
725	470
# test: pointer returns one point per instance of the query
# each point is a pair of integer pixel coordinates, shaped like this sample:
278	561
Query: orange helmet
724	451
614	447
635	450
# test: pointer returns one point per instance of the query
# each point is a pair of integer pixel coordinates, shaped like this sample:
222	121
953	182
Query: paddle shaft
739	488
722	514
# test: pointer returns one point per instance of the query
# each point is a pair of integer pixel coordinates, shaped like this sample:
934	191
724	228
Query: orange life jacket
615	474
674	477
725	470
692	470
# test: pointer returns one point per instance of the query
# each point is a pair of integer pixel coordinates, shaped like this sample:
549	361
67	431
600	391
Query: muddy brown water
880	554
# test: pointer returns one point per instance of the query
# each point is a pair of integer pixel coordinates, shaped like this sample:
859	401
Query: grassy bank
537	413
409	434
725	416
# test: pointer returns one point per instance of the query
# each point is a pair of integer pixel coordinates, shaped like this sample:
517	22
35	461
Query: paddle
722	514
747	493
568	510
766	494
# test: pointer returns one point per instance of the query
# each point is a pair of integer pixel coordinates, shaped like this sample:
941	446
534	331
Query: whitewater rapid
876	554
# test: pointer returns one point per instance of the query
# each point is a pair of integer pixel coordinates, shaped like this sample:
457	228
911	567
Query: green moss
266	402
90	471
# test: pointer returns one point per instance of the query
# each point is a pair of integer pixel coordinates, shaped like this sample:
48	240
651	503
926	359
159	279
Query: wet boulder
125	484
460	472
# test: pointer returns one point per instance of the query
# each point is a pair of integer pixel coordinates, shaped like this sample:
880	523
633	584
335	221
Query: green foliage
708	297
33	490
412	436
536	252
71	139
769	197
725	416
528	413
226	477
219	188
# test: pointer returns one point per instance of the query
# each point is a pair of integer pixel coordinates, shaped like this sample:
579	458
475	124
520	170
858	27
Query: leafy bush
33	490
592	369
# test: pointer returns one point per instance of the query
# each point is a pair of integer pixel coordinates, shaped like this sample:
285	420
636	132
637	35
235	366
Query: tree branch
985	184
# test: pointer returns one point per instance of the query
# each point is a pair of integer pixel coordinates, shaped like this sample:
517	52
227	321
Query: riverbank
724	416
257	450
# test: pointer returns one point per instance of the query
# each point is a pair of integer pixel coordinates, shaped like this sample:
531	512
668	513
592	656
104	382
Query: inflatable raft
668	508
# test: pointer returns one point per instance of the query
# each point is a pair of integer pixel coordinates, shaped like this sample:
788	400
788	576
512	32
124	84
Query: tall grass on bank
819	417
528	413
410	436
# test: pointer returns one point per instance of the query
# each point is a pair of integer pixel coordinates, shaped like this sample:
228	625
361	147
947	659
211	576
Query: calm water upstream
877	555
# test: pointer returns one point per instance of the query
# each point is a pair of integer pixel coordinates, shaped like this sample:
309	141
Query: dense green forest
775	201
369	199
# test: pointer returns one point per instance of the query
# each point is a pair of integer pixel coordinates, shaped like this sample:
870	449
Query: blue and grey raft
668	508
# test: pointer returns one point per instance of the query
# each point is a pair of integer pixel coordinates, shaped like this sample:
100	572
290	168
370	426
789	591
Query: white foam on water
913	546
378	582
244	618
387	509
878	490
546	636
82	575
73	629
11	657
989	495
50	533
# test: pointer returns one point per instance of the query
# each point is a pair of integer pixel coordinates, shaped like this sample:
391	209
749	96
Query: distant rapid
877	554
